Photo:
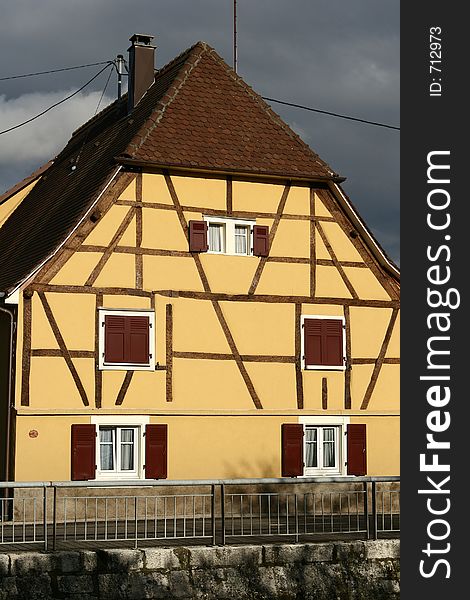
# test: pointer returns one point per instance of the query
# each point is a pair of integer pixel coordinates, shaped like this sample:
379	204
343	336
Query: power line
57	103
104	91
326	112
107	62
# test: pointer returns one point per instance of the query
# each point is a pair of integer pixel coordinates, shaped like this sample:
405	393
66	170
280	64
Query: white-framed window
119	446
126	339
325	445
323	342
230	236
117	450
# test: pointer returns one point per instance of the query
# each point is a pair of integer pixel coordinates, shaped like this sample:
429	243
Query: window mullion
320	447
116	450
229	237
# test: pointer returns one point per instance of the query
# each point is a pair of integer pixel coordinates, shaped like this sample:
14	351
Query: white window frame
103	366
302	344
137	423
341	447
229	234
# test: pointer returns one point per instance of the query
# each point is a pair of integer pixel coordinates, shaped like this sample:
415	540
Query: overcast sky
335	55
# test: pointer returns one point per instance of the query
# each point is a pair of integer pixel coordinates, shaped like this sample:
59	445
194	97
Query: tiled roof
214	120
198	113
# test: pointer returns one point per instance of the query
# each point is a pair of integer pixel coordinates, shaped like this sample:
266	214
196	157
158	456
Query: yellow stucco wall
235	446
47	456
205	385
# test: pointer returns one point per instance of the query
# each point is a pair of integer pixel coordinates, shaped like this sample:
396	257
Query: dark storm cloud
336	55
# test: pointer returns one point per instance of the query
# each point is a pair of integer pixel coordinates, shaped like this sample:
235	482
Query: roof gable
198	114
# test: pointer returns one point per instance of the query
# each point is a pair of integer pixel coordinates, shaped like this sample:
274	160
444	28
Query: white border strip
33	273
353	215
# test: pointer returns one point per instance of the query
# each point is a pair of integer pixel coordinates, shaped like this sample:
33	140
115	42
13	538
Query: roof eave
377	251
142	164
18	187
18	285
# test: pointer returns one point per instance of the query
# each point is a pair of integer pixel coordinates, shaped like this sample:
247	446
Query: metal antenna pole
235	58
119	63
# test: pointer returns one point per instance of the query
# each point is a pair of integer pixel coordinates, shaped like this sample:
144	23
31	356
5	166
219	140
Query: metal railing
53	515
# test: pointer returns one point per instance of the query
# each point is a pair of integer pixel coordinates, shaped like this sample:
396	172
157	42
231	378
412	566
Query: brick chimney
141	67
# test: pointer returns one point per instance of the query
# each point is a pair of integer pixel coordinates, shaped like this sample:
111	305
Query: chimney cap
141	39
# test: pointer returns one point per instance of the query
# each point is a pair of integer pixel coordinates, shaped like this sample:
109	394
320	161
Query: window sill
320	473
213	253
115	476
324	367
124	367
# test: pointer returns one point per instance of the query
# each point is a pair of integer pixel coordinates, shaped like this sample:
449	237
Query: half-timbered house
187	292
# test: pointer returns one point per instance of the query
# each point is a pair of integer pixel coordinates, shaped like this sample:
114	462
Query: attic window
324	343
127	340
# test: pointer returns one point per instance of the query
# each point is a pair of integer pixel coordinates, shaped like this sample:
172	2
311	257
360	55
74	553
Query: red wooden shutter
126	339
292	435
357	456
83	452
260	240
323	342
312	342
115	338
156	444
138	340
198	236
332	342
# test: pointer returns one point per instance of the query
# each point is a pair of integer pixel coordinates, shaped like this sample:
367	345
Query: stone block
180	585
68	562
226	556
4	565
133	586
32	562
382	549
284	554
8	589
211	584
89	560
161	559
276	582
36	586
75	584
349	551
115	561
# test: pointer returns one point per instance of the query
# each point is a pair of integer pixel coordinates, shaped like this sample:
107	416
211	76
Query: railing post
366	509
54	518
374	510
222	512
136	524
44	515
296	516
214	530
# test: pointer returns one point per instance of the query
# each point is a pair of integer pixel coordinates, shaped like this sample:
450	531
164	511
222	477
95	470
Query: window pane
216	237
127	449
127	457
329	459
241	239
328	454
127	435
107	445
106	435
311	459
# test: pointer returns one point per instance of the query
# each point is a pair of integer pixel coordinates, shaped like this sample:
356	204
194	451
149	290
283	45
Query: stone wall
322	571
